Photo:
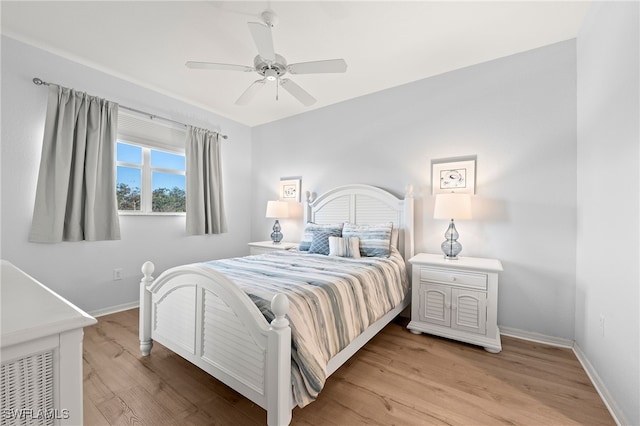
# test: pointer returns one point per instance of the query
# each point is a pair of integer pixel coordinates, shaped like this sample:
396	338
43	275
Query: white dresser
457	299
41	353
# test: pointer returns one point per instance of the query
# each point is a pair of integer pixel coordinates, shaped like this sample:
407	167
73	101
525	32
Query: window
149	180
150	165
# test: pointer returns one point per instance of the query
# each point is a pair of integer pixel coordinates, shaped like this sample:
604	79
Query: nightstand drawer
458	278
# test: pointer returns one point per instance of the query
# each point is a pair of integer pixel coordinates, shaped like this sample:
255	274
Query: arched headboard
365	205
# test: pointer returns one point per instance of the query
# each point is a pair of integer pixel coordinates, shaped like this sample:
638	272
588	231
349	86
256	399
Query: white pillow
344	247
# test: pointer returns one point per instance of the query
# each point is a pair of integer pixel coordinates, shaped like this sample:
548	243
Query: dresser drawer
458	278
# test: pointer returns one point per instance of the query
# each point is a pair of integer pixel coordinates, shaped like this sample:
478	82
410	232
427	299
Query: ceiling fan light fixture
271	74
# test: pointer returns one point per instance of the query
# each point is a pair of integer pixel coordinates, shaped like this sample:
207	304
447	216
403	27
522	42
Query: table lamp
452	206
277	210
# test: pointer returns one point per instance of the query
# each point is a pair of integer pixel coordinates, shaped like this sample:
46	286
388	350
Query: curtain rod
39	82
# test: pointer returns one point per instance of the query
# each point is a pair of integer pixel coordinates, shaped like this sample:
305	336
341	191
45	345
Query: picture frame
290	189
453	176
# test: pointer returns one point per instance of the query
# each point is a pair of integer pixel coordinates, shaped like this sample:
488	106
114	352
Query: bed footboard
204	317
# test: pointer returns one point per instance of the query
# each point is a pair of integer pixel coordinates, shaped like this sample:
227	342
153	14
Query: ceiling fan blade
251	91
297	92
264	41
327	66
214	66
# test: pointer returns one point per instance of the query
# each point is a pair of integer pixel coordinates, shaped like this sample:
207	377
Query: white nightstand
457	299
261	247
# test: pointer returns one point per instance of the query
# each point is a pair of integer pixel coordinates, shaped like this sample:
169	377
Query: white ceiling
385	43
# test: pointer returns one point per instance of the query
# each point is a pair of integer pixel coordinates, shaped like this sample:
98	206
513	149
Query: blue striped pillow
375	240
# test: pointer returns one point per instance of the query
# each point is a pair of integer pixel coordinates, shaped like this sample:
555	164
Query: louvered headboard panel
336	211
365	205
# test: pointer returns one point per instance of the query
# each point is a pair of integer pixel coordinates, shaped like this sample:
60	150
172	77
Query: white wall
517	114
82	272
608	254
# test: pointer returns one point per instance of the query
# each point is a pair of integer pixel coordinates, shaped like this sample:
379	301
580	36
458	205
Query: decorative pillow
320	241
344	247
375	240
312	228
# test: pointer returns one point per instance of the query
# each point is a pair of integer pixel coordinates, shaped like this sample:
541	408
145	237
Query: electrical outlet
117	274
602	325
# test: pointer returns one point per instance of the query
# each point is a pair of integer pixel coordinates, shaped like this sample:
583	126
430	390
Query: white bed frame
204	317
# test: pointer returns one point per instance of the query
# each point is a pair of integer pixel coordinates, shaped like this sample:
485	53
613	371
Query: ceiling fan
271	66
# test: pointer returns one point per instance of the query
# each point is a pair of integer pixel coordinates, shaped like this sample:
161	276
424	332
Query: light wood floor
397	379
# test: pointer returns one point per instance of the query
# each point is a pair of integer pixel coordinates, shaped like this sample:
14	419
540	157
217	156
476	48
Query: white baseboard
610	403
114	309
598	384
536	337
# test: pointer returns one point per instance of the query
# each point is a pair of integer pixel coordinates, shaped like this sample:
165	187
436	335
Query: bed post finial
280	308
145	309
309	196
308	199
409	191
147	269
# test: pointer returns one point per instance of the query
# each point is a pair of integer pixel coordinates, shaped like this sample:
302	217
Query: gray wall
82	272
517	114
608	254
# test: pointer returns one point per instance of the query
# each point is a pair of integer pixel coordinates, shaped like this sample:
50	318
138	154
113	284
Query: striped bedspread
331	301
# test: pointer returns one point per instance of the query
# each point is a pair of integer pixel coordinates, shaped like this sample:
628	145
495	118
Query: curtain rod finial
38	82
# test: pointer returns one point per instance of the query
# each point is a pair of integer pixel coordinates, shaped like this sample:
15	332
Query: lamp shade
452	206
277	209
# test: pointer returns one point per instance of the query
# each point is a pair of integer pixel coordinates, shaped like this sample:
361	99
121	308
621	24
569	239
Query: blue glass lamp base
451	247
276	235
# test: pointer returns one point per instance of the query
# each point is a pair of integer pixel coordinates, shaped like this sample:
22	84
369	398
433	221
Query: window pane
128	188
168	192
128	153
167	160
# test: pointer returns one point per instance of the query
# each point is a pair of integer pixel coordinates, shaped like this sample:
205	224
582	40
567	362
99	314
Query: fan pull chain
277	86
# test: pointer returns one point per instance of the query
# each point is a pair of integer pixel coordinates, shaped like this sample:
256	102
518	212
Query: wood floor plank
94	388
136	406
398	378
92	415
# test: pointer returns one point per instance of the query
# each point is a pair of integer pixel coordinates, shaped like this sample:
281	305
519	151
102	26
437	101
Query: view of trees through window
150	180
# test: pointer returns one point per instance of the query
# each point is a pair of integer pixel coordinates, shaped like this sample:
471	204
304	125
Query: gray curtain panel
76	195
205	207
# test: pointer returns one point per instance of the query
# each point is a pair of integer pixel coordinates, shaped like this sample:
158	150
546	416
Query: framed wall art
290	189
453	176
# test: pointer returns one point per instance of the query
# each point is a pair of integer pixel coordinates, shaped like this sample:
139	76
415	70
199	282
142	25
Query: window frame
146	173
